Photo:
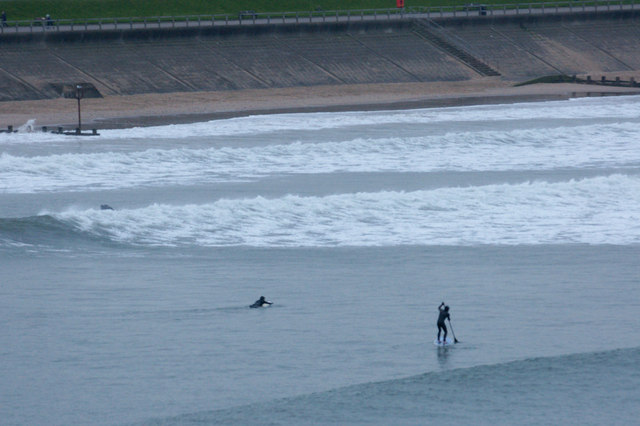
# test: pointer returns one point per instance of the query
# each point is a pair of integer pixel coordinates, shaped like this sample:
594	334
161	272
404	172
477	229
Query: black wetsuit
444	315
260	302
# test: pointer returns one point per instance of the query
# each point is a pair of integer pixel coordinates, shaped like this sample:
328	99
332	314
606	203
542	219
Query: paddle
452	333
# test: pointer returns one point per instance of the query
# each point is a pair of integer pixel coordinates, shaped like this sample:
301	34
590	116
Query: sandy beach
186	107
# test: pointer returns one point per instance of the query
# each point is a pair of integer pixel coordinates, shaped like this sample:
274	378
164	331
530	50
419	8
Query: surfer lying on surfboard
260	303
444	315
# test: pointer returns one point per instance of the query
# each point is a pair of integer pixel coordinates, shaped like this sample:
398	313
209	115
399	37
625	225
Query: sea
128	262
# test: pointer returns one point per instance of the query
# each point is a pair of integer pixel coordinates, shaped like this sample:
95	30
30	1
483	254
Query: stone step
422	29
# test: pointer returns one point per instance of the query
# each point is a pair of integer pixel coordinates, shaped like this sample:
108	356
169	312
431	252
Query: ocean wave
609	145
584	108
40	231
599	210
620	108
590	389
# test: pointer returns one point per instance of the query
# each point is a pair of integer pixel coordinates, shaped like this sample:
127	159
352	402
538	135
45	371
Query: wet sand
187	107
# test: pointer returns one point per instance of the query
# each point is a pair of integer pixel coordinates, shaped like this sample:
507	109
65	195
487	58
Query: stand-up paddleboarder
444	315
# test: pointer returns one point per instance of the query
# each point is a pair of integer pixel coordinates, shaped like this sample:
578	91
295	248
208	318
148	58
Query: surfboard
443	344
264	305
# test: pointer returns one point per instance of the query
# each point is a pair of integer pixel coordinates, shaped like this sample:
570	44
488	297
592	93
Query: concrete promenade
364	54
451	12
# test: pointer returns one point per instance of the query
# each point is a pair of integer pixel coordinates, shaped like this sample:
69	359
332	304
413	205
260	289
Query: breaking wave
598	210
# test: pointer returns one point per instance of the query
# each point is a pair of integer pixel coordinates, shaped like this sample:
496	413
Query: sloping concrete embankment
515	48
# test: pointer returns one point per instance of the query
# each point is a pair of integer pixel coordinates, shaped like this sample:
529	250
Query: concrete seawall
514	48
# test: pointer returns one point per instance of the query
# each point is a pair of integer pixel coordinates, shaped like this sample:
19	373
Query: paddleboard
443	344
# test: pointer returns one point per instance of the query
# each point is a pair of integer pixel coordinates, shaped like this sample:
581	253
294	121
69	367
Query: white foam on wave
617	107
626	107
27	127
601	210
590	146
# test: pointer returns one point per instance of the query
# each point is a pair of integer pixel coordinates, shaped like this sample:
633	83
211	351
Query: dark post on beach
79	95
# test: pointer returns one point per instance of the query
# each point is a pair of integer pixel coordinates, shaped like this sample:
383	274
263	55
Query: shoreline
118	112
